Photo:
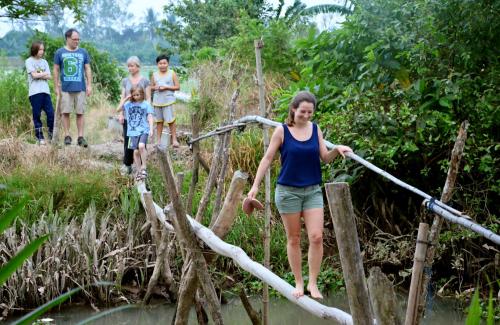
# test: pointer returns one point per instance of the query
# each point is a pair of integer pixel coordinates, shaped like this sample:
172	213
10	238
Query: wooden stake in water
339	201
416	274
259	44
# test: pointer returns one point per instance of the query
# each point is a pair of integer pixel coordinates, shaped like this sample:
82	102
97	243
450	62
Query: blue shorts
133	142
290	199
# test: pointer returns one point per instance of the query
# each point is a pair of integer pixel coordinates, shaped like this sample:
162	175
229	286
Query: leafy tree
200	24
277	35
102	16
395	82
17	9
151	23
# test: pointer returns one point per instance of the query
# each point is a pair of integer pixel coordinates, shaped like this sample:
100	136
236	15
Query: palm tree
299	10
327	9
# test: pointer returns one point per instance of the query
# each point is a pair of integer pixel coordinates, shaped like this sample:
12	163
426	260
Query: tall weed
16	108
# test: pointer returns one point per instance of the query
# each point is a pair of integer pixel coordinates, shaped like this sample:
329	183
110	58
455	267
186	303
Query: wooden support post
416	275
214	167
259	44
449	187
152	218
224	221
225	158
195	125
339	201
204	164
383	298
187	237
221	227
57	123
254	316
161	254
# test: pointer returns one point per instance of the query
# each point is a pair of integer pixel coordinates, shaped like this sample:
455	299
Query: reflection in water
282	312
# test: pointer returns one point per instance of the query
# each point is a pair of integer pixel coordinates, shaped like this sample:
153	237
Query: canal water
282	312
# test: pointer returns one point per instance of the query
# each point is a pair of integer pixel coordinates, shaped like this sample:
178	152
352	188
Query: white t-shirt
37	86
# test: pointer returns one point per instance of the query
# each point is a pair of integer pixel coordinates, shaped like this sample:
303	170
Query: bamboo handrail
437	206
467	223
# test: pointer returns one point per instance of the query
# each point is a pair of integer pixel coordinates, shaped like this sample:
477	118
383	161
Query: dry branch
225	158
214	167
449	186
188	240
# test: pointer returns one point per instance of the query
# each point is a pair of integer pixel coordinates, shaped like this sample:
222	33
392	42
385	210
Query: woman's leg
291	222
313	219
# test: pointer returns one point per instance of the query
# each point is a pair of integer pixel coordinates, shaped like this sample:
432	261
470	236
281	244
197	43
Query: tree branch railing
437	206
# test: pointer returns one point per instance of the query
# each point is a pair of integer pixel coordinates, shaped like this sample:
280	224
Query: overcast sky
139	7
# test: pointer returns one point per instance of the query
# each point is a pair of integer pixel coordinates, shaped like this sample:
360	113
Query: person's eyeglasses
75	39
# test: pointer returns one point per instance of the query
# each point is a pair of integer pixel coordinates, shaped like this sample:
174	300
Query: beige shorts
73	102
164	114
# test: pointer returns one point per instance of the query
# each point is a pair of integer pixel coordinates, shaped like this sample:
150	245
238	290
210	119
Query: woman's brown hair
302	96
35	47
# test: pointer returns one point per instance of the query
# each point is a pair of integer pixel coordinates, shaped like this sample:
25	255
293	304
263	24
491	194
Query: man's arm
88	79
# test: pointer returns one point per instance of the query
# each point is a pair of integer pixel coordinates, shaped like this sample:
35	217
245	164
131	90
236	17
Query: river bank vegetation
393	81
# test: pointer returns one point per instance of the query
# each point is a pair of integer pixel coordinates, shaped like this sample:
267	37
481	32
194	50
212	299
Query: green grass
69	193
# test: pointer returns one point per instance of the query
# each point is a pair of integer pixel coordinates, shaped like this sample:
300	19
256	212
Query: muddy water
282	313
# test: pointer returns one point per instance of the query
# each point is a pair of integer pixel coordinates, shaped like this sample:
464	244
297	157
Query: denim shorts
290	199
133	142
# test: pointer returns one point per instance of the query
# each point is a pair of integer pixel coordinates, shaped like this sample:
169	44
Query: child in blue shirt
139	114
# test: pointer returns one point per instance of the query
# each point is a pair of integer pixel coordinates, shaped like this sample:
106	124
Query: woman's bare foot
313	289
299	290
175	144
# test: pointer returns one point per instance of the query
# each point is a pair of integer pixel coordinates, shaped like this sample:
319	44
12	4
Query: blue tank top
300	165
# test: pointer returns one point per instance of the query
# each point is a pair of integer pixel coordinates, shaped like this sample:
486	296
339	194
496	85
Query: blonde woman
134	79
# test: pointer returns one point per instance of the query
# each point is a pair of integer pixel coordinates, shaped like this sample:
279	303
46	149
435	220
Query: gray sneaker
82	142
67	140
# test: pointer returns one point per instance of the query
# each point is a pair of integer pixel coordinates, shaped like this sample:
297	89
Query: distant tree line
106	24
